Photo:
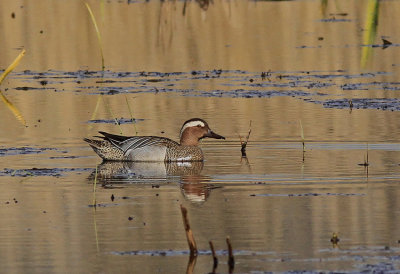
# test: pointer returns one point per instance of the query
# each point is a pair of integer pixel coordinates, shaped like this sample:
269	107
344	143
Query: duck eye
198	125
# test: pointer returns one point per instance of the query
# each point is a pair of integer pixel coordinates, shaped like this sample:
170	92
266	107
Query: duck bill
212	134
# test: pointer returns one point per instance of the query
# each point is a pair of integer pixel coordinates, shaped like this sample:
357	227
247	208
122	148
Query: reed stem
98	34
131	114
111	114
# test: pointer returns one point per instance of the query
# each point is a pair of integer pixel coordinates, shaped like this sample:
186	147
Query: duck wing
126	143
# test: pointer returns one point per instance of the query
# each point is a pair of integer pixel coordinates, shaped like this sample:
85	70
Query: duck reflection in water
187	174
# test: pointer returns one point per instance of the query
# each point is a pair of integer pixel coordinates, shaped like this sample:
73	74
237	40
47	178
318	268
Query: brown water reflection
272	63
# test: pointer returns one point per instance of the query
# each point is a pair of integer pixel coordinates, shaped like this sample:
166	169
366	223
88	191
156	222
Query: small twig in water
244	143
366	161
351	104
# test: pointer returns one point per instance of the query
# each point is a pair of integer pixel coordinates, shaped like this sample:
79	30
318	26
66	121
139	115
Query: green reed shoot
98	34
131	114
370	27
8	103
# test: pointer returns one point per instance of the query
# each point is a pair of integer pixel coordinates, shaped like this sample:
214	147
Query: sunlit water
280	205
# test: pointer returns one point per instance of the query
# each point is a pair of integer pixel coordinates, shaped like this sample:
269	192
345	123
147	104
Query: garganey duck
155	149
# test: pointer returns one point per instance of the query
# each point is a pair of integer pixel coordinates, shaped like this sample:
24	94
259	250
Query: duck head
194	130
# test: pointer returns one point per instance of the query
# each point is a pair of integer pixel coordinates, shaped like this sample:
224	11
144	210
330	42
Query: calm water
283	66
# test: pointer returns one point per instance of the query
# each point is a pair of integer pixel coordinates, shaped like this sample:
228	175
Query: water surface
284	66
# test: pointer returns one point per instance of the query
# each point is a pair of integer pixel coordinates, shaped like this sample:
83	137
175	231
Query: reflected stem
95	230
189	233
191	263
231	260
94	189
215	259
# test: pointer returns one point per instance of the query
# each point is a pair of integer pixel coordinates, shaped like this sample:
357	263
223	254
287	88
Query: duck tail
105	149
95	144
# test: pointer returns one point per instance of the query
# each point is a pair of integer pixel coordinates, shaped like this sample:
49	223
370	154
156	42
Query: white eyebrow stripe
192	124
